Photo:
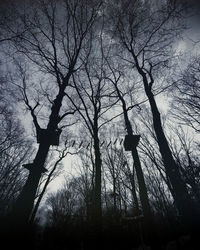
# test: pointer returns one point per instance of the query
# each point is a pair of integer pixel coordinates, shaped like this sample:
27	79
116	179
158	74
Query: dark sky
192	12
194	20
195	5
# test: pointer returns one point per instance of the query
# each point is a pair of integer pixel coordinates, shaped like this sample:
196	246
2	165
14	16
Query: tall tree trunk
142	186
114	192
134	194
182	199
25	202
97	186
97	210
184	203
24	205
140	176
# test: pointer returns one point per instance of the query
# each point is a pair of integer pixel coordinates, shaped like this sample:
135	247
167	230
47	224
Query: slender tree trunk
43	191
182	199
148	217
140	176
134	194
114	192
97	186
142	186
96	206
114	181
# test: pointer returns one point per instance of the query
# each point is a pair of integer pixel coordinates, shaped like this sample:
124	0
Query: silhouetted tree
137	165
63	204
91	100
85	180
14	151
91	91
147	36
114	160
54	172
186	154
52	44
187	96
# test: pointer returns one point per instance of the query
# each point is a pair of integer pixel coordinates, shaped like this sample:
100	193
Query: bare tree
63	204
14	150
51	46
94	95
186	103
133	149
86	180
148	40
114	164
187	156
91	89
54	172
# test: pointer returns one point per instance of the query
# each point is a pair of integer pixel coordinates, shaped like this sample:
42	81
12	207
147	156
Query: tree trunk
97	186
182	199
25	202
142	186
96	206
43	191
114	192
183	202
140	176
134	194
148	217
